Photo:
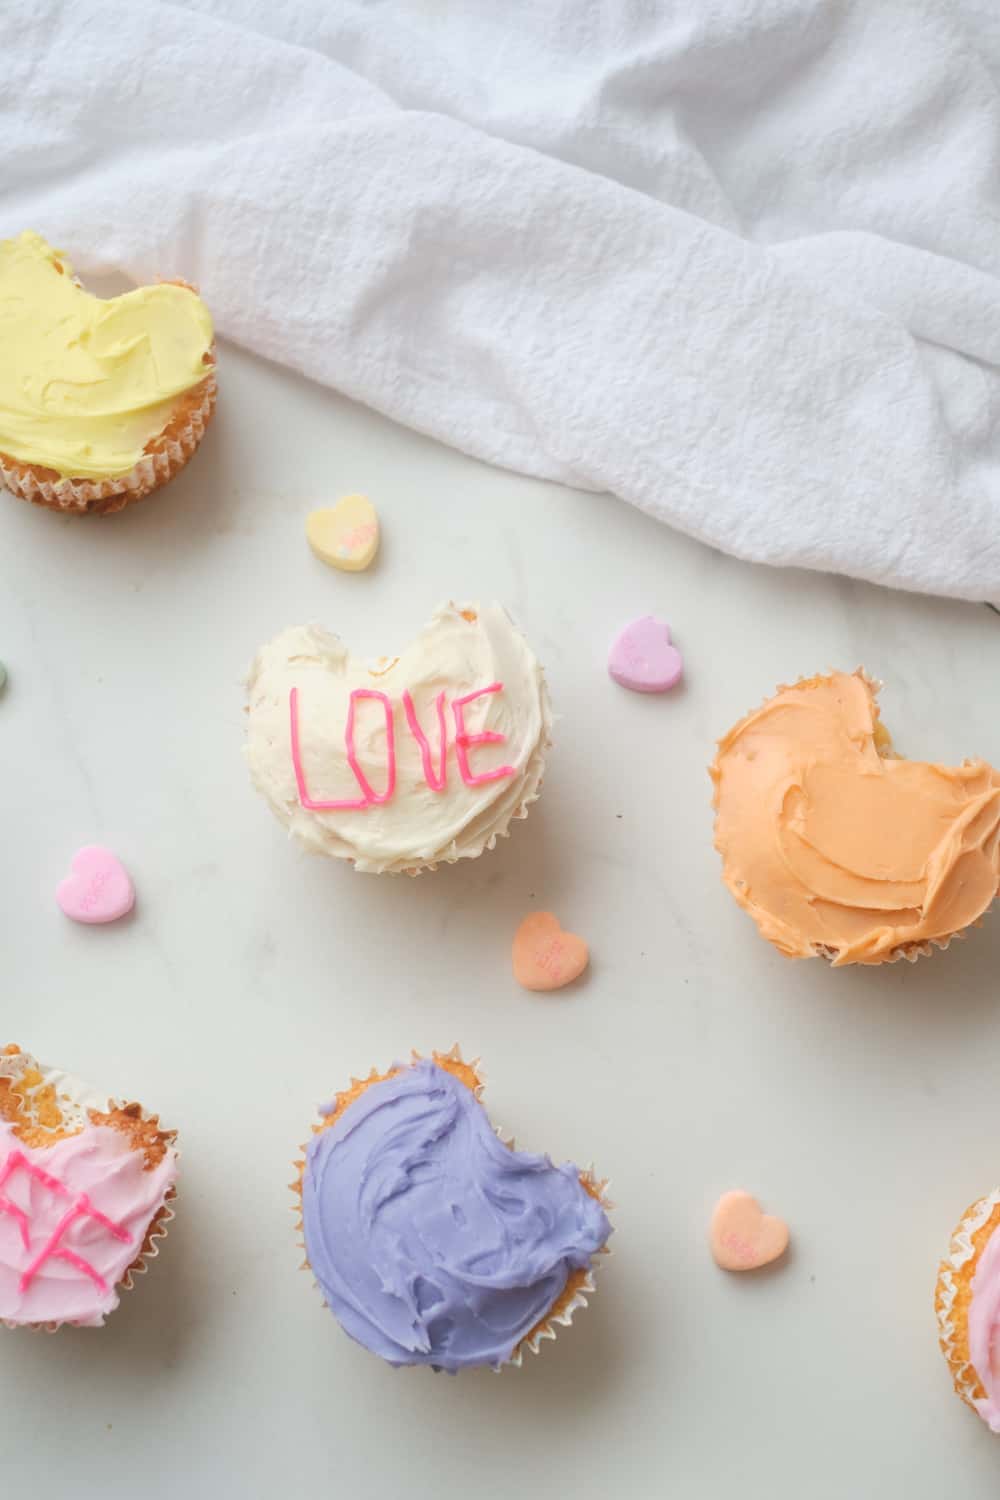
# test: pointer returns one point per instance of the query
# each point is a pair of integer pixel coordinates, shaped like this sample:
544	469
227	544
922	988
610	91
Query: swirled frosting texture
831	846
85	383
432	1242
462	649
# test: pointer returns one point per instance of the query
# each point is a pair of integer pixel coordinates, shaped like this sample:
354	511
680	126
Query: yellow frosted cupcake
101	402
838	847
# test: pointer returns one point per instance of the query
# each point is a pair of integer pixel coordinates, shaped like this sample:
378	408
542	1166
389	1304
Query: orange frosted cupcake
838	847
101	402
433	1241
86	1185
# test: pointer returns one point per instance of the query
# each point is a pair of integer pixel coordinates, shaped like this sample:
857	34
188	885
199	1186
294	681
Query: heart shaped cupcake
838	847
400	764
86	1186
433	1241
967	1304
101	402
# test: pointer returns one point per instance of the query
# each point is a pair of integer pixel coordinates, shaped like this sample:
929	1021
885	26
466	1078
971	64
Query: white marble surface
252	980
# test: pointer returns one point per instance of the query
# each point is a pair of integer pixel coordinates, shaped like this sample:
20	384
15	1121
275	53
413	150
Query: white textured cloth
737	261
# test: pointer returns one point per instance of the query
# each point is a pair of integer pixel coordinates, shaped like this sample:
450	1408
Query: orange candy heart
743	1237
544	956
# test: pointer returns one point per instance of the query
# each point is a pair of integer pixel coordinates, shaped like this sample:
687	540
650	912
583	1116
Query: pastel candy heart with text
346	536
98	887
743	1237
544	956
643	659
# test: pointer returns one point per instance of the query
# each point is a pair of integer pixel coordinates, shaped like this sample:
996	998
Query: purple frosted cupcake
433	1241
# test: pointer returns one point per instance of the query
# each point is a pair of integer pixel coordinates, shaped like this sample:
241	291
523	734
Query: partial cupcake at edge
967	1304
86	1188
101	401
837	846
406	762
432	1240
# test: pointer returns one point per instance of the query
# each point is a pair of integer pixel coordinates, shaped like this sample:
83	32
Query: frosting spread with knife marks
86	383
834	847
432	1241
406	762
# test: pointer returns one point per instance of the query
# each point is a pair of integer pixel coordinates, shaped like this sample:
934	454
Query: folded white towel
737	261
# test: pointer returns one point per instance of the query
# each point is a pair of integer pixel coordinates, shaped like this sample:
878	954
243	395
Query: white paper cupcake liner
265	684
908	951
960	1251
519	814
76	1100
547	1328
105	496
534	777
580	1298
911	952
162	1220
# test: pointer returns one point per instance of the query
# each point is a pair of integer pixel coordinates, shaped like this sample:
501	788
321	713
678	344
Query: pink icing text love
436	778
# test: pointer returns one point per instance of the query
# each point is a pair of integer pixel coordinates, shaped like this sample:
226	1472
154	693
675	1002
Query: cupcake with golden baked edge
402	763
101	401
433	1240
967	1306
86	1191
837	846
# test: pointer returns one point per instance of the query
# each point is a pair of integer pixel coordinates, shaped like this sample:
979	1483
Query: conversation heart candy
743	1237
544	956
346	536
98	887
643	659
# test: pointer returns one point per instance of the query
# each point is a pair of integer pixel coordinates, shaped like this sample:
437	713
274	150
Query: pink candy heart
98	888
643	659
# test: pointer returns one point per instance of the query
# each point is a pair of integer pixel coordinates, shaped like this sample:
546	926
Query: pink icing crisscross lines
80	1208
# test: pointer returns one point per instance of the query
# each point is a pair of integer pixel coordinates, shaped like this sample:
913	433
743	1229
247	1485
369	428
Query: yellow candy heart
346	535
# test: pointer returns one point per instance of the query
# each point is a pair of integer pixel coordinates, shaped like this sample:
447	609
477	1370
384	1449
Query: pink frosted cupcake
86	1185
967	1303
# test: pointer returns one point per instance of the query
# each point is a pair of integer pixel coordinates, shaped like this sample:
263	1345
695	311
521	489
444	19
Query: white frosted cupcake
403	763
